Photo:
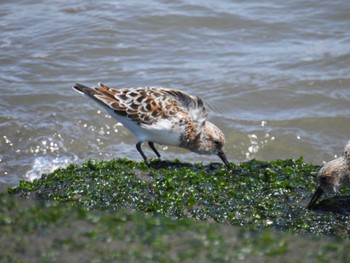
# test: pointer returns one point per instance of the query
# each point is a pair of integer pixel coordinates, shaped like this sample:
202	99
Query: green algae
254	194
51	231
173	212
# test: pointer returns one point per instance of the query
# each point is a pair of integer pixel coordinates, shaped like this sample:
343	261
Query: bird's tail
103	95
83	89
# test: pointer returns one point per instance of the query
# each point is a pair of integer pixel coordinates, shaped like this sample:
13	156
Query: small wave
45	165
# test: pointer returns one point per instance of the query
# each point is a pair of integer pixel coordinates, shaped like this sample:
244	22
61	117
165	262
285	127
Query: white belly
161	133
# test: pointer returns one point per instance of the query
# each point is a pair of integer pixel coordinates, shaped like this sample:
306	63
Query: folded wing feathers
194	105
109	98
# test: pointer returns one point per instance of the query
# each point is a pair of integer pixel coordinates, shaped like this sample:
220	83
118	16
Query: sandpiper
160	115
332	176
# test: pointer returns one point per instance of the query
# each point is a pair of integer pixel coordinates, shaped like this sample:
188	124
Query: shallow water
275	76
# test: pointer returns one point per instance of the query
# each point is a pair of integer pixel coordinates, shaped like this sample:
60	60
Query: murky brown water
275	76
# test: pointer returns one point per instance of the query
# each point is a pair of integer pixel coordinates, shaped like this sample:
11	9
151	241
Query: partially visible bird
332	176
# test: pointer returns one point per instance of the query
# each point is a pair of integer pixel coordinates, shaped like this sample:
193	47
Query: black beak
222	156
319	191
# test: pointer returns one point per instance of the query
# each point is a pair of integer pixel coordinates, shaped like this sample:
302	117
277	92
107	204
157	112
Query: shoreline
123	210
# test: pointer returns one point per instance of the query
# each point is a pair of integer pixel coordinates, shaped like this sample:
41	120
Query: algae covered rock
254	194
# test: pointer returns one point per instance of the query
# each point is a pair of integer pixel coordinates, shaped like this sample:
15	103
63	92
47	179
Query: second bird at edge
332	176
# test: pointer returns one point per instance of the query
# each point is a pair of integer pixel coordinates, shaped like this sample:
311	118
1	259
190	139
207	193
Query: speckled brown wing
142	105
147	105
150	104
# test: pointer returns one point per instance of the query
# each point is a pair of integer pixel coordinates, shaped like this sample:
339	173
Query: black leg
151	145
138	147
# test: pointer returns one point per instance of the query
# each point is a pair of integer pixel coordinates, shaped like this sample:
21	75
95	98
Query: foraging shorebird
160	115
332	176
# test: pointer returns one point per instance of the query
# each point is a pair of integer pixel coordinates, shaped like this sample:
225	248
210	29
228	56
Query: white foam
45	165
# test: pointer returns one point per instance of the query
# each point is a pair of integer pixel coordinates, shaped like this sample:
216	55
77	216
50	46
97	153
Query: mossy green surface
174	212
33	231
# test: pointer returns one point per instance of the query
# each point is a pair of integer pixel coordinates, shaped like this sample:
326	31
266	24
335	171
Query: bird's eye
217	143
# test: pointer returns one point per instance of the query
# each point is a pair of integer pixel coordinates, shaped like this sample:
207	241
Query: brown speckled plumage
333	175
160	115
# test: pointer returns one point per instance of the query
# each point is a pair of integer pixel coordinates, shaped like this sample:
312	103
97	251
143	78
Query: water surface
274	75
